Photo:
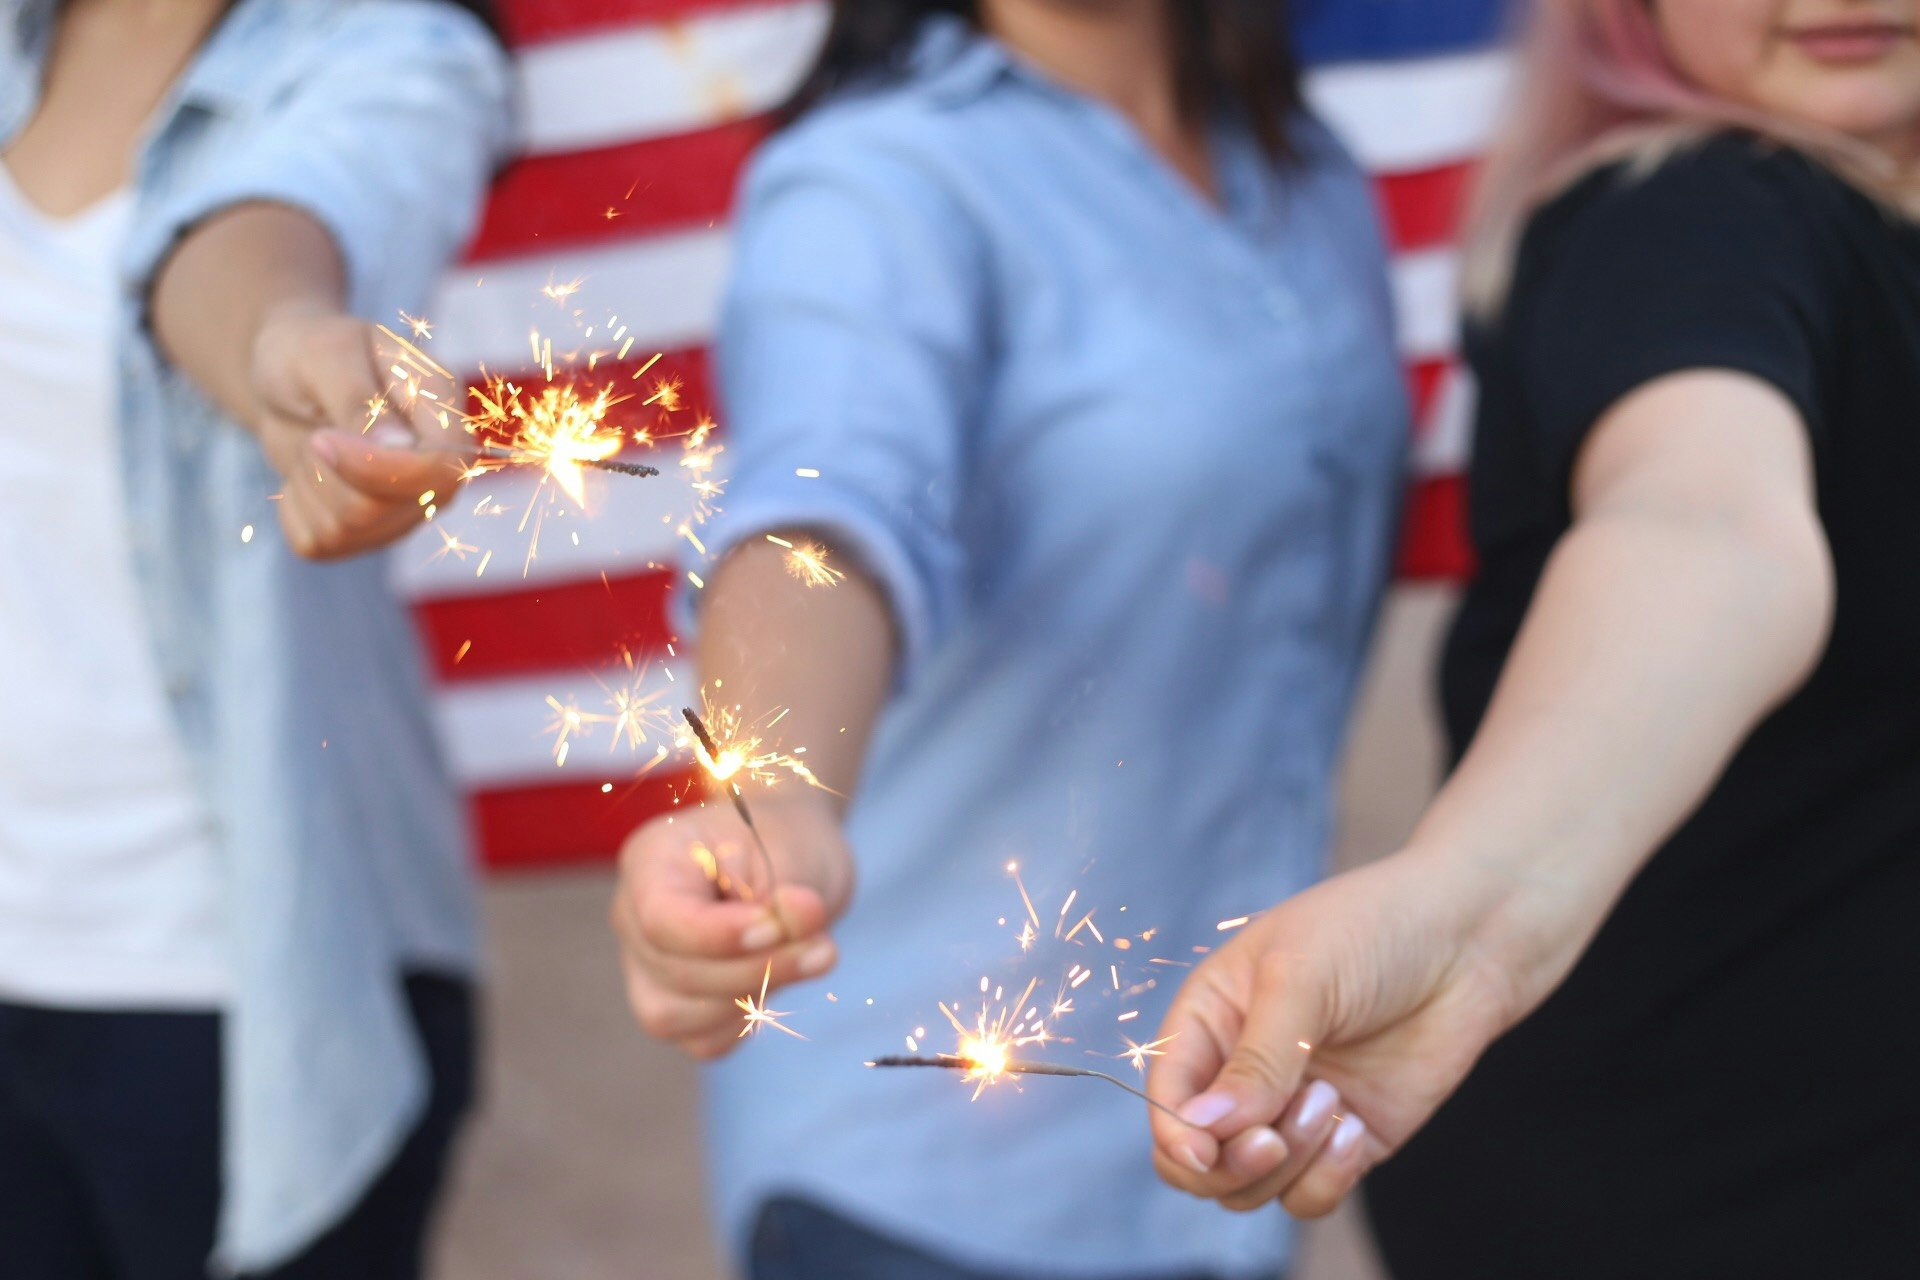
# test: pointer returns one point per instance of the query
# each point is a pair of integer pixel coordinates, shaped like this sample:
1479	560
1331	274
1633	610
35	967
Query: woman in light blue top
236	933
1066	333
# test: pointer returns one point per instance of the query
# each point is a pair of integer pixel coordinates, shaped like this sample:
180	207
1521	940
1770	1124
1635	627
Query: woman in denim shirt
1066	331
235	921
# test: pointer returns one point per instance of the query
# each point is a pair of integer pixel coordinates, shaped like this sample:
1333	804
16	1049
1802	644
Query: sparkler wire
1028	1067
499	454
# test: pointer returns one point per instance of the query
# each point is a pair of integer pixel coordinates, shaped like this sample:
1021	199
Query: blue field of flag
1363	30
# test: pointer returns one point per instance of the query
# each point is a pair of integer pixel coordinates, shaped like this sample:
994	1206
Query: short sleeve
387	136
1709	262
851	356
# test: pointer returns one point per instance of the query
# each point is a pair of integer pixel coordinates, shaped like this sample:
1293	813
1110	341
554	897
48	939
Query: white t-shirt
109	888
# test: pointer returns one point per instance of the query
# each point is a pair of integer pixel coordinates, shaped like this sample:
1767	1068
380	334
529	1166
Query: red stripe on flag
1433	534
615	193
564	626
531	828
1423	209
532	21
1424	378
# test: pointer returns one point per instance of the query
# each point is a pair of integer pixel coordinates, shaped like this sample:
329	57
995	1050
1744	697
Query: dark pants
798	1240
110	1147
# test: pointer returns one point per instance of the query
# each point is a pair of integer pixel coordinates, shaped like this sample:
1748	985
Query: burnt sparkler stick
499	454
712	749
1028	1067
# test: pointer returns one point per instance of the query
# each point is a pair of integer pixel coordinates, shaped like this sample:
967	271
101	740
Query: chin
1864	109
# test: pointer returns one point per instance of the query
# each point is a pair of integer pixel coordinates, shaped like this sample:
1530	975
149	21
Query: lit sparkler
554	427
999	1065
723	766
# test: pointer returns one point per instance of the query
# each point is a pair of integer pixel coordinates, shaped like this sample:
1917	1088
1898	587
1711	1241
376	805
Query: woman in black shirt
1641	998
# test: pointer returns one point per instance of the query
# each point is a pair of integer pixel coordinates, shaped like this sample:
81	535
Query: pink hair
1596	85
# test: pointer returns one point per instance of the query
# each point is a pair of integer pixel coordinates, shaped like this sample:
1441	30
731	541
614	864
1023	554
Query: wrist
284	323
1521	922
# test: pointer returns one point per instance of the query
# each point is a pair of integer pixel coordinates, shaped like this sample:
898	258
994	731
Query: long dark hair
1231	54
485	10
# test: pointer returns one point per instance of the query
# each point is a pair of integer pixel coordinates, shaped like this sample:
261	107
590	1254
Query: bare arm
825	654
1692	594
223	284
251	305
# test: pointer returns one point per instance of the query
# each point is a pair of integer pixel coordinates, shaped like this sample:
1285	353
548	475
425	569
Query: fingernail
1206	1109
1346	1135
760	935
390	435
1194	1162
327	447
1258	1154
816	958
1316	1105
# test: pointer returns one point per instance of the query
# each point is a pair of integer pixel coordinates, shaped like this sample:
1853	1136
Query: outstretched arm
252	306
826	657
1692	594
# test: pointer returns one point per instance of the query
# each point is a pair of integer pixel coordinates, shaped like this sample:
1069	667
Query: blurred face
1847	65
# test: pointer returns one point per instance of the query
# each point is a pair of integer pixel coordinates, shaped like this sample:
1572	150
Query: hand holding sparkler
1320	1037
362	428
697	930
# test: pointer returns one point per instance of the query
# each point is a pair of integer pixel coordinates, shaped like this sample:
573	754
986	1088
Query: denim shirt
298	686
1127	466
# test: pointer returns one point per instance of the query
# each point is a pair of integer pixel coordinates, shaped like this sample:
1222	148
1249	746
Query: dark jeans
798	1240
110	1147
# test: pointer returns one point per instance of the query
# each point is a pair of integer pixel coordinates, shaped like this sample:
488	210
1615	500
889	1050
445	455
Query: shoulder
893	154
1722	200
293	45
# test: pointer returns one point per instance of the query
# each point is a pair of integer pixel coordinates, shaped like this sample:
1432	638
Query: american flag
636	118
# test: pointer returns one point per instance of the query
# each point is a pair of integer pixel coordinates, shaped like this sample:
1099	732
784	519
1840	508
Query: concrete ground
585	1164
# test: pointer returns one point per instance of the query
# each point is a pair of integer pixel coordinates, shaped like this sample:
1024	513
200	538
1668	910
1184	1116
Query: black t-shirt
1728	1084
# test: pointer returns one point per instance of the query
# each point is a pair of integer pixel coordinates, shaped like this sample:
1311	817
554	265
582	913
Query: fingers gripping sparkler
722	768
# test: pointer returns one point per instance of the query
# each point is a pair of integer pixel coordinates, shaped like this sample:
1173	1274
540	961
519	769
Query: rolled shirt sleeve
852	346
387	133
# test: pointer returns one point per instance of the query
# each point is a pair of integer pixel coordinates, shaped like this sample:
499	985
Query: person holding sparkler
1638	998
235	917
1062	333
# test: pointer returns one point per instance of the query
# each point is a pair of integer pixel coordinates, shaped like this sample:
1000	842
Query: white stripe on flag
665	289
1426	303
500	733
1402	117
1447	442
631	84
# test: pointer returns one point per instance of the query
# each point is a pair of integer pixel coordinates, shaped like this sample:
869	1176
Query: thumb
1265	1065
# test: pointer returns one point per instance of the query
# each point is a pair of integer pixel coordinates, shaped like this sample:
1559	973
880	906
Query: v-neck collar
19	209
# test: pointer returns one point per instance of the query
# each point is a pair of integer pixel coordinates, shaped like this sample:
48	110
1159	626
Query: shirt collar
226	74
954	62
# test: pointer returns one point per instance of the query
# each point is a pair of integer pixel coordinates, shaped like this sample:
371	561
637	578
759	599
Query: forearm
222	283
823	655
1654	644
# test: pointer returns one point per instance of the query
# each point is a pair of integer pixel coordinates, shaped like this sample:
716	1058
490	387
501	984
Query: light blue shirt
298	686
1127	465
